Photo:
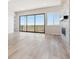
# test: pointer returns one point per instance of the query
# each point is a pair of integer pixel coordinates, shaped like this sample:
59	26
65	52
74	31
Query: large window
39	23
32	23
53	18
22	23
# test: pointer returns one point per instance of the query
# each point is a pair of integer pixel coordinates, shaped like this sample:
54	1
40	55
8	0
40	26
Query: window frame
34	22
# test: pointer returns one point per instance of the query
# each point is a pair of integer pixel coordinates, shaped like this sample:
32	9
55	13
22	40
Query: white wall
10	20
54	29
10	24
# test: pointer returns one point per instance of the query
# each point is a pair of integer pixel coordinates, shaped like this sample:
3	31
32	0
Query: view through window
32	23
53	19
22	24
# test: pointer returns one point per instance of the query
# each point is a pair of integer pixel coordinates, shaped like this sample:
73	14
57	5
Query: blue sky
53	18
40	20
30	20
22	20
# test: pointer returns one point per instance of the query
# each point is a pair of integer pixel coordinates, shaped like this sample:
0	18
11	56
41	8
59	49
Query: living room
38	29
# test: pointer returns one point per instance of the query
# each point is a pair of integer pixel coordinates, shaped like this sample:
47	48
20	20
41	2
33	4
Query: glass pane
50	20
56	18
30	23
22	26
39	23
53	19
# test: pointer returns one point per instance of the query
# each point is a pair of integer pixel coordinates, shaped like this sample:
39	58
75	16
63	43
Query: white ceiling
18	5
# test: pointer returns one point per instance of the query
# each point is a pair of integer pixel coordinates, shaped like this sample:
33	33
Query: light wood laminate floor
36	46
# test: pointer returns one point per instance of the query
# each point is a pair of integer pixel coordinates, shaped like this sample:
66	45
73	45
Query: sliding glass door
39	23
22	23
32	23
